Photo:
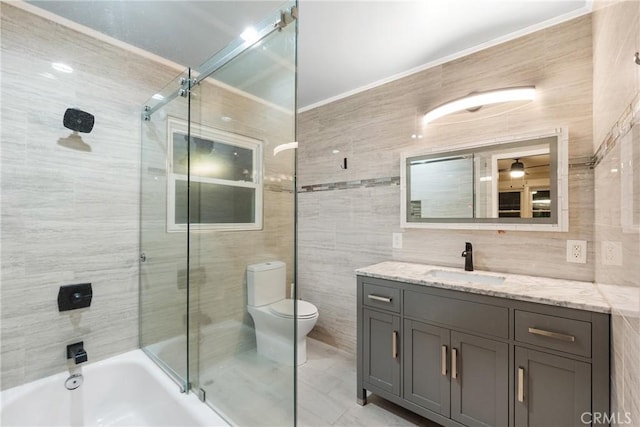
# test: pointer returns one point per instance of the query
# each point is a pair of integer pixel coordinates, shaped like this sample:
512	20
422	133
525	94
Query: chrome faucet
468	256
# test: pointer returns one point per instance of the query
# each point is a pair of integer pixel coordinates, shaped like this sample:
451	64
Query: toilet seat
284	308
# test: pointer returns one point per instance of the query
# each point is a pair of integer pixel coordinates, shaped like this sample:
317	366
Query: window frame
181	127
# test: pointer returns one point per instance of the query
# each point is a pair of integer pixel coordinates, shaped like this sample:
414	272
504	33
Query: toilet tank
266	283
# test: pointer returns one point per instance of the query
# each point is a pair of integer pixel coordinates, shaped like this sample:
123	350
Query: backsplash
348	228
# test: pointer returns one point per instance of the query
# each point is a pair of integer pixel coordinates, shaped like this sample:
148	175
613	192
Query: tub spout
77	353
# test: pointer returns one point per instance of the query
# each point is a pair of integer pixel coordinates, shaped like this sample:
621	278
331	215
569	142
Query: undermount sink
460	276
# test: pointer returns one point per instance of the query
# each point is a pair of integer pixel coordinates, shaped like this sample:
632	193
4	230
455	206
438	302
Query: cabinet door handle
554	335
454	363
394	344
520	384
443	361
379	298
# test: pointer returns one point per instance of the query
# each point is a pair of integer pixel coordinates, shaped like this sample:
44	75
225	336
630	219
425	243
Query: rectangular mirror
516	183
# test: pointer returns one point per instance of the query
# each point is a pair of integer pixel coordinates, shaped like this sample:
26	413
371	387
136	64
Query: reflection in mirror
511	182
450	193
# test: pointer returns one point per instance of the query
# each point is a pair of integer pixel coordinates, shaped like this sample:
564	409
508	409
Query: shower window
224	187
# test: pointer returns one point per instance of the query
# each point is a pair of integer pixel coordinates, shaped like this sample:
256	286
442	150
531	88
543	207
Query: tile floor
250	391
327	394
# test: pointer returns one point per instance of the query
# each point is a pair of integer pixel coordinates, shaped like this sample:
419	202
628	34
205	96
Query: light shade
517	169
522	93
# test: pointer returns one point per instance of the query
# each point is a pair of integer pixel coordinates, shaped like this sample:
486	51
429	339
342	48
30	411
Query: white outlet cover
611	253
577	251
396	240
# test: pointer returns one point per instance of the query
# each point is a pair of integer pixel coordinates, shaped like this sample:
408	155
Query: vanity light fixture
517	169
479	99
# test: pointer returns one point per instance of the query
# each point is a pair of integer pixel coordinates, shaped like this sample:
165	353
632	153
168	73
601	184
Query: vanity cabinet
537	371
456	375
381	358
551	390
462	359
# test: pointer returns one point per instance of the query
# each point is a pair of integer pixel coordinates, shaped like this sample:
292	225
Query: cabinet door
426	366
479	381
381	353
550	390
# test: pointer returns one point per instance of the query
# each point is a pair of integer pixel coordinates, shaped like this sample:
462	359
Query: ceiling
343	47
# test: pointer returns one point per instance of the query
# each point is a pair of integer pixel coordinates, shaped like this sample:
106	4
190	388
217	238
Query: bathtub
125	390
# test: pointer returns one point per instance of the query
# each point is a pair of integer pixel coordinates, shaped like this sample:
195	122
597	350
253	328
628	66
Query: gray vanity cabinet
480	381
381	362
456	375
427	366
551	390
463	359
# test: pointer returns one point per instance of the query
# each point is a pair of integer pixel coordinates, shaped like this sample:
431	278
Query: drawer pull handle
443	361
394	345
554	335
454	363
379	298
521	385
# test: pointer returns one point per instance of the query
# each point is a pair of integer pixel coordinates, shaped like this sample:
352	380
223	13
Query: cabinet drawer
455	313
556	333
381	297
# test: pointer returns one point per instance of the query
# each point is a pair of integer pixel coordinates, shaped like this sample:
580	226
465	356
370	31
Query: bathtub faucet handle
77	353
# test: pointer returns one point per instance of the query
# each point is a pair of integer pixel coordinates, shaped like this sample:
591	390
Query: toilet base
280	349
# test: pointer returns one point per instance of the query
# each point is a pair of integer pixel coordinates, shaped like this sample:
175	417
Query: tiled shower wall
70	211
347	217
69	204
616	122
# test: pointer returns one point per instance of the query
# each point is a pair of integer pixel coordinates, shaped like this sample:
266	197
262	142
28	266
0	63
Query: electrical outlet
611	253
577	251
397	240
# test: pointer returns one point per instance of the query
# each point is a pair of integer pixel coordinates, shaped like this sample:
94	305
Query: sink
460	276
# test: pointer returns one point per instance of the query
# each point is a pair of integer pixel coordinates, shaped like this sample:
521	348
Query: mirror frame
560	214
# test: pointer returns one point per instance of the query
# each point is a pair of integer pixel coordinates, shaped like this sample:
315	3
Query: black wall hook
344	164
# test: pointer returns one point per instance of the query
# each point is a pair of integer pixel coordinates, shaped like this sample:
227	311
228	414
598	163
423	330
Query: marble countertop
558	292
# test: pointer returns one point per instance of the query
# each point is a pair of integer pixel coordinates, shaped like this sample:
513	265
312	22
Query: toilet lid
284	308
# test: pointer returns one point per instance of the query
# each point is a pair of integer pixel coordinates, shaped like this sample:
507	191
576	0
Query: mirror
516	183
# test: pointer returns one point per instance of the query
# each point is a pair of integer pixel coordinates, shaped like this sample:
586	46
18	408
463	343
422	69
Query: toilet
273	313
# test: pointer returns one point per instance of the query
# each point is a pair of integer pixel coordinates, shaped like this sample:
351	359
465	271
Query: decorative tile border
349	185
629	118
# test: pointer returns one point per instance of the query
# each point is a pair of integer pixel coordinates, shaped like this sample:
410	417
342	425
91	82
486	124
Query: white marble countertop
558	292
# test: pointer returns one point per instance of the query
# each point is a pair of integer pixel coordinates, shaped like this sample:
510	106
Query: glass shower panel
163	261
242	198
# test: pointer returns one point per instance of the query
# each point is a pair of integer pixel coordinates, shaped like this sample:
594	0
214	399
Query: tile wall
616	124
71	208
347	217
69	203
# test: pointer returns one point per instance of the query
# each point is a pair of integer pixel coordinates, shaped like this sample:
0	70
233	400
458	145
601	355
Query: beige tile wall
68	215
72	216
342	230
616	87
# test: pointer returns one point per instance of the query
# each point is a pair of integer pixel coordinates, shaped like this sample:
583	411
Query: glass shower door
218	195
163	259
242	212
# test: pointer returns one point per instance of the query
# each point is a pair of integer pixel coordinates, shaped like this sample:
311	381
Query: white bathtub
125	390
